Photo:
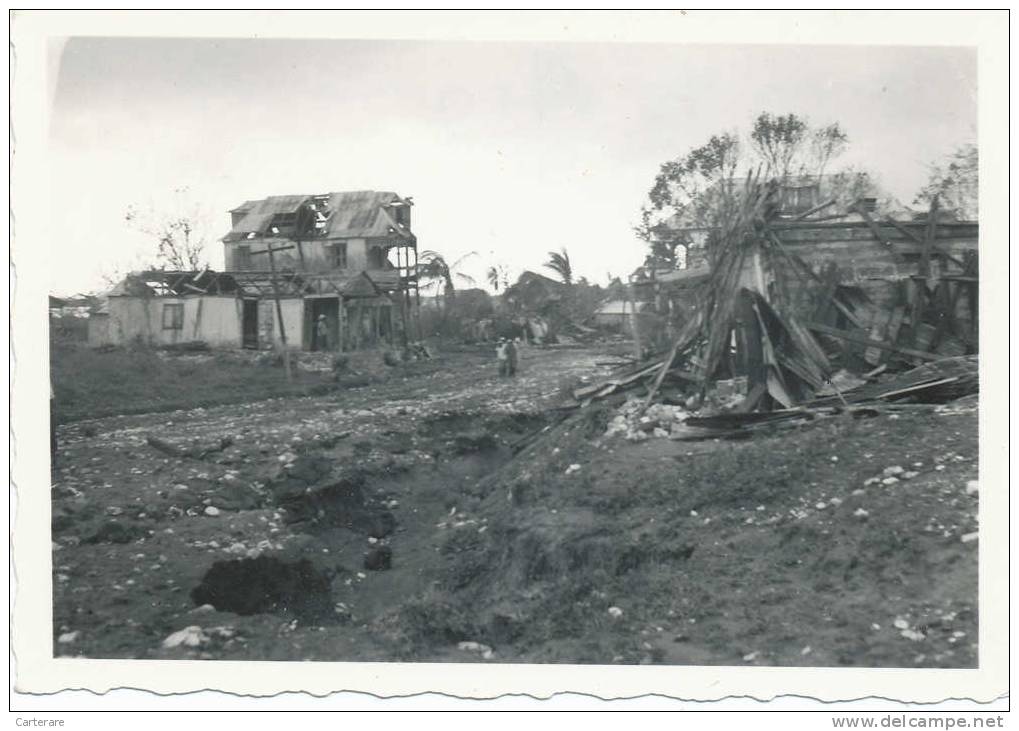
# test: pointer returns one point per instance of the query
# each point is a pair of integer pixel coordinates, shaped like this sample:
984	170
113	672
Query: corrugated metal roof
619	307
355	214
352	214
360	285
384	278
260	214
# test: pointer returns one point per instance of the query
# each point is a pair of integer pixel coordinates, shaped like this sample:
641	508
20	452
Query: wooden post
269	250
920	292
279	314
751	343
635	324
928	241
417	295
403	293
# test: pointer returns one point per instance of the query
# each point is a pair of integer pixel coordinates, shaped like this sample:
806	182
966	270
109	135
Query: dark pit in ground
267	585
316	490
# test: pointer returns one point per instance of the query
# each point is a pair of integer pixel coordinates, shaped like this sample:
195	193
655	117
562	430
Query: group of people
508	356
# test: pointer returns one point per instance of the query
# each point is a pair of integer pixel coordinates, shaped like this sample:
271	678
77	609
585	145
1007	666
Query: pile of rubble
658	421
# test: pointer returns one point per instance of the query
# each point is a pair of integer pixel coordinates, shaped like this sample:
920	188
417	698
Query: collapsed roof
347	214
248	284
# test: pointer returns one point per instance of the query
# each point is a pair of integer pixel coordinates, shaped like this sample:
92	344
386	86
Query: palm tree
434	267
559	262
497	276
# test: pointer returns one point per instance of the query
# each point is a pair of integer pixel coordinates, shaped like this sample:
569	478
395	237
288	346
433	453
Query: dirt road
397	522
135	528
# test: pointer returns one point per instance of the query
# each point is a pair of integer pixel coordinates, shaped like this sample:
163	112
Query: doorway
249	324
327	337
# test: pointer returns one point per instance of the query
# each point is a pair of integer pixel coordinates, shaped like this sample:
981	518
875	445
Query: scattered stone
192	636
484	650
114	510
751	656
911	634
892	471
68	637
861	513
572	468
806	650
970	537
615	612
889	481
972	487
900	623
212	511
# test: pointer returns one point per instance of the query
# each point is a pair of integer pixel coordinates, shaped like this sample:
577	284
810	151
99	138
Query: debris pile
636	425
793	336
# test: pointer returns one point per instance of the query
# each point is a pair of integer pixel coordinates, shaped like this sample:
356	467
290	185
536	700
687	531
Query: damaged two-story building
336	271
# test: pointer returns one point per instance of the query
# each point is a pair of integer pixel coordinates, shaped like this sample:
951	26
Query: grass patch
91	384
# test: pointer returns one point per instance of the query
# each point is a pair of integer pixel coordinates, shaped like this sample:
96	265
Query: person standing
512	358
322	333
502	356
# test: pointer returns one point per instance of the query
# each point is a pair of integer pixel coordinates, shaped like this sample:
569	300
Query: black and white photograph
535	352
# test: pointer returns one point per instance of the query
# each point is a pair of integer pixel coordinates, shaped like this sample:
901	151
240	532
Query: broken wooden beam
815	209
864	340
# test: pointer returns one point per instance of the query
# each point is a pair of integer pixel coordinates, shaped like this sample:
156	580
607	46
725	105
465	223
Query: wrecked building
800	309
879	264
535	293
347	259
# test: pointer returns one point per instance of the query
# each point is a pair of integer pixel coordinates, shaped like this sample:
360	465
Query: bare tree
179	229
778	140
703	187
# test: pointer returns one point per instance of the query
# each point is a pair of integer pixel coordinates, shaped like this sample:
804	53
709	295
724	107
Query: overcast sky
509	149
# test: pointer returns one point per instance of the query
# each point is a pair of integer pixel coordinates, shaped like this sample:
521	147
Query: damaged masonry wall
871	263
882	261
168	321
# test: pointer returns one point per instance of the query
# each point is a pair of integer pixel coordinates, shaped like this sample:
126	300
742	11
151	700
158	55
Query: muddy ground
449	514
